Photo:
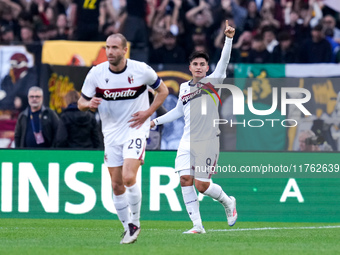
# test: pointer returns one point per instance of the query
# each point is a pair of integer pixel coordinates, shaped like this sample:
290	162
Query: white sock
122	208
191	203
215	191
134	198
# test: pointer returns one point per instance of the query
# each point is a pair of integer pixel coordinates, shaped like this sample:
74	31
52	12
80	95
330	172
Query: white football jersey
123	93
198	103
200	110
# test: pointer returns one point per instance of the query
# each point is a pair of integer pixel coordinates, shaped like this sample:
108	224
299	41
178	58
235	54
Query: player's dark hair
198	54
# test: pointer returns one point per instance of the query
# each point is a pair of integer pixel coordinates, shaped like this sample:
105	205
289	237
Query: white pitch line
269	228
171	230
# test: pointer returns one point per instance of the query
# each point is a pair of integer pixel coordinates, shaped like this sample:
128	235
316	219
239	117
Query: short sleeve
89	87
151	77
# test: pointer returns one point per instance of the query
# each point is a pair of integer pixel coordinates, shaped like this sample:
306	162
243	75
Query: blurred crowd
159	32
167	31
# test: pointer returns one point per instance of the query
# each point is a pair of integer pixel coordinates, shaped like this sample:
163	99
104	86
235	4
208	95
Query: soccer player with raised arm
118	89
199	146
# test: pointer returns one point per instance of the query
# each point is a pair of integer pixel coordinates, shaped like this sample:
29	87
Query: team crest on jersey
130	79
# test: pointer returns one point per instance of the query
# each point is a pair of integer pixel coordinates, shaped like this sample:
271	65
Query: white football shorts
198	158
133	148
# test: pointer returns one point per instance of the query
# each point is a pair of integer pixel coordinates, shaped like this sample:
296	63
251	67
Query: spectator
59	6
309	141
77	129
7	35
42	33
27	35
329	33
200	16
84	19
306	13
52	32
120	14
108	29
267	14
107	14
50	16
305	141
157	25
239	14
219	42
285	52
329	23
198	37
37	11
242	47
9	12
200	47
156	41
135	30
37	125
317	49
258	53
231	7
253	18
170	52
314	12
269	38
25	19
173	16
298	28
161	20
63	30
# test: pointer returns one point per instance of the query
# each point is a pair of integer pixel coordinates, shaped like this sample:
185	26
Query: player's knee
186	180
118	188
129	180
201	186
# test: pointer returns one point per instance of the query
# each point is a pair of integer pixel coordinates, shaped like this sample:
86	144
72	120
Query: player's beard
116	61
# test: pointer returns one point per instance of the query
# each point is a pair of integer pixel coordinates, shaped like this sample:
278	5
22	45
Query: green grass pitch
45	236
